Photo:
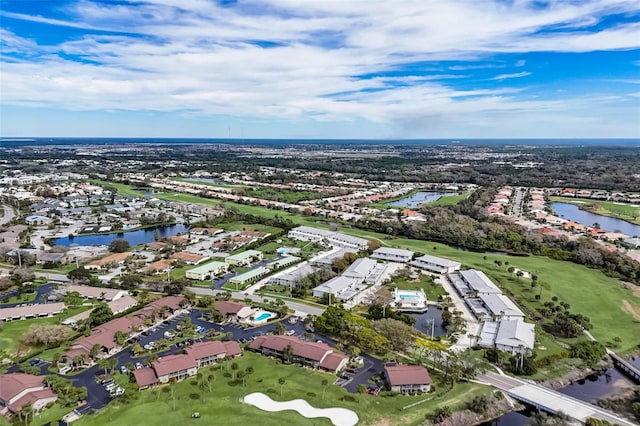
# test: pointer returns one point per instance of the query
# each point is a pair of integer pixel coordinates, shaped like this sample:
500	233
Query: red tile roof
171	302
14	383
145	377
173	363
30	398
308	350
226	307
206	349
399	375
333	361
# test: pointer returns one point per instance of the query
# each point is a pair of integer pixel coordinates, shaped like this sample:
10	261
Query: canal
573	213
142	236
590	389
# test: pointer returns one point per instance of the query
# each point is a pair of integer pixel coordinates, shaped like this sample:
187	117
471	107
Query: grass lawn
23	298
238	226
605	208
126	190
224	404
12	331
448	200
431	290
280	194
204	182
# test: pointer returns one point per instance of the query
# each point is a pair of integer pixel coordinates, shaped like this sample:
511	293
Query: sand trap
338	416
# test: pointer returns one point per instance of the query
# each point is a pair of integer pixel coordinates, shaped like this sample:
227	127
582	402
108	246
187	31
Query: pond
421	197
142	236
573	213
425	320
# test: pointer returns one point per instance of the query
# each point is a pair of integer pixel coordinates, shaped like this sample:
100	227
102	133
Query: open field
12	331
279	194
204	182
248	227
223	405
605	208
126	190
449	200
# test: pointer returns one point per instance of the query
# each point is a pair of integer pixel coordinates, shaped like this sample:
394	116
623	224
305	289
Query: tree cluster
46	335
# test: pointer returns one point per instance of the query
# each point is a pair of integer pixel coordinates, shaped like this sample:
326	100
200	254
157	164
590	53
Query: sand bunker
338	416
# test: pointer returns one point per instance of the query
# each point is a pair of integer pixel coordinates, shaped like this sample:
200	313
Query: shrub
194	396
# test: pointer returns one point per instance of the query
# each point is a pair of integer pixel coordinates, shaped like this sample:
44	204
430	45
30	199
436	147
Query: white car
291	332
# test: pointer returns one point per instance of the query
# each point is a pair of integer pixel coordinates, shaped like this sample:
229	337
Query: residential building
105	262
31	311
207	271
295	277
244	258
18	390
365	270
178	366
206	353
307	233
283	262
309	354
515	336
190	258
436	264
99	293
407	379
249	276
233	311
158	267
347	241
392	254
37	220
473	282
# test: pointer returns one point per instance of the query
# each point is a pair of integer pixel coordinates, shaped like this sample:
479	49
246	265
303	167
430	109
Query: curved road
8	214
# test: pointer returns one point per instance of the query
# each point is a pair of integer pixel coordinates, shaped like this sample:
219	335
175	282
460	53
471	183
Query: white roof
479	282
394	252
360	268
440	261
314	231
515	333
499	304
335	285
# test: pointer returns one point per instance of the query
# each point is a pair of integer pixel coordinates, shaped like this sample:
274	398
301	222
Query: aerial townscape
408	213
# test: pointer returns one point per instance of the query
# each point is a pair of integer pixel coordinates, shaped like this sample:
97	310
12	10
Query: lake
421	197
590	389
142	236
573	213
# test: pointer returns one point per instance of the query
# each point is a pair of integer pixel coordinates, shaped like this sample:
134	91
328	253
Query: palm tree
281	382
210	379
104	363
325	382
112	363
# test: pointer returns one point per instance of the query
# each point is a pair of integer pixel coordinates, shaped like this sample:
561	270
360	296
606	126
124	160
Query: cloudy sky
320	68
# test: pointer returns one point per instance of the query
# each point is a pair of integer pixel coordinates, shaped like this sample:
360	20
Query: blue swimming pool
264	316
408	296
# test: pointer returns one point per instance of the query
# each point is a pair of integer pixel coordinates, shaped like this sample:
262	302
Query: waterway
424	320
573	213
590	389
421	197
142	236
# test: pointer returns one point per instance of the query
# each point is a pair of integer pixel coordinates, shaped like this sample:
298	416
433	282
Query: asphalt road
7	215
41	296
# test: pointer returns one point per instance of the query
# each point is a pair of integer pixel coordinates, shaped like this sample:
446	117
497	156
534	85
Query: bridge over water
550	400
626	367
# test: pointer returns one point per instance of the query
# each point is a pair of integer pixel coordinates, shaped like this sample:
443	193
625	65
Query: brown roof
39	309
14	383
189	257
30	398
333	361
158	265
173	363
210	231
93	292
145	377
206	349
399	375
232	348
178	239
115	258
171	302
157	245
226	307
308	350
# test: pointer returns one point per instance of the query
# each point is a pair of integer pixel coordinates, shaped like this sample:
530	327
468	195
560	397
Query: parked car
138	365
123	369
291	332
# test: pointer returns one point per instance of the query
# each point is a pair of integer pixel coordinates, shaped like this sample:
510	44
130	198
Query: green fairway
448	200
126	190
223	405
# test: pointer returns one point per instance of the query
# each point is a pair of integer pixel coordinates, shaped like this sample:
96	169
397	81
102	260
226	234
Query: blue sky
320	68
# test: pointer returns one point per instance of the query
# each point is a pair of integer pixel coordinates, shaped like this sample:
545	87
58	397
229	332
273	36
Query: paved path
7	215
549	400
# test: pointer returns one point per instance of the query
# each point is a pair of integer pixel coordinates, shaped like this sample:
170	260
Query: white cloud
198	56
507	76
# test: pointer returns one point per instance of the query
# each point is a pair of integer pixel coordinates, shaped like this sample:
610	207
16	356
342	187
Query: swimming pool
264	316
408	296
